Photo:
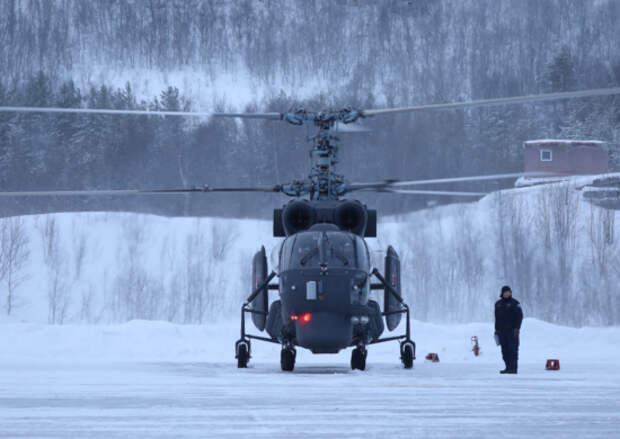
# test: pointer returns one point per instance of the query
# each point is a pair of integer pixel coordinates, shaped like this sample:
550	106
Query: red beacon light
303	318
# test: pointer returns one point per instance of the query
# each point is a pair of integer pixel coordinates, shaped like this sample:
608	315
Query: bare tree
58	293
14	254
599	276
79	252
195	259
222	238
87	295
173	298
601	234
467	242
517	264
137	294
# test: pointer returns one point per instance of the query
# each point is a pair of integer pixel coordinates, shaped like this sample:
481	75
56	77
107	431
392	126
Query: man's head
506	292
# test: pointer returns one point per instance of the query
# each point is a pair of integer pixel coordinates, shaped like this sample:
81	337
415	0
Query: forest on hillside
192	55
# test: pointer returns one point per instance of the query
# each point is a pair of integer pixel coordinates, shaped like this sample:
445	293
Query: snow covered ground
155	379
150	378
560	254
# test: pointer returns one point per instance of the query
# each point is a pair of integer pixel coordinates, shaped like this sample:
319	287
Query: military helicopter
324	270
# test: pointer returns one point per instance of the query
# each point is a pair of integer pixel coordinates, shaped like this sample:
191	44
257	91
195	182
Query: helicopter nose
324	332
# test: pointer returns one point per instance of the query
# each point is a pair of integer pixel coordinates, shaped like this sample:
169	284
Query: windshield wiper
309	255
322	248
340	256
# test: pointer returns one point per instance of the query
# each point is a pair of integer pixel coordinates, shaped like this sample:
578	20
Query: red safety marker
433	357
552	365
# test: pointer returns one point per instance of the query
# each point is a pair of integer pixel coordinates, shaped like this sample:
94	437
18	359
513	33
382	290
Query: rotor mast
323	183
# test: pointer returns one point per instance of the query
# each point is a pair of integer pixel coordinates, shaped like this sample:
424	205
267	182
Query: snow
231	89
153	378
578	181
105	257
564	141
156	379
115	267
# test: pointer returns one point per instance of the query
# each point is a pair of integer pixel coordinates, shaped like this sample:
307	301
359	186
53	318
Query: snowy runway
196	399
156	379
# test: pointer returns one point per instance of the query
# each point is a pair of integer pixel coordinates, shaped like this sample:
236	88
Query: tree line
84	151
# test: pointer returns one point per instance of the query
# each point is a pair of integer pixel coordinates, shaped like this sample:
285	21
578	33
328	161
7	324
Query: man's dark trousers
510	349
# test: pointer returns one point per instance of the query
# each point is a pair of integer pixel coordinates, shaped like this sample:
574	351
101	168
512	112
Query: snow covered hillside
239	52
102	267
560	254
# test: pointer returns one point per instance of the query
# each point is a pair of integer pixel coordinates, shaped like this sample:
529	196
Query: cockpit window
334	249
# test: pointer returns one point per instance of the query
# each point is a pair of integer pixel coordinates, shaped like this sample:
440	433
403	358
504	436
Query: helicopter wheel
243	354
358	358
287	359
407	355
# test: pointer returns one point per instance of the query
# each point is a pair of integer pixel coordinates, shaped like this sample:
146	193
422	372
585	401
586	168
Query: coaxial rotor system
323	182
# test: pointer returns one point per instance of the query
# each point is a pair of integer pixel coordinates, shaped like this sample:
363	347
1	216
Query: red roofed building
572	157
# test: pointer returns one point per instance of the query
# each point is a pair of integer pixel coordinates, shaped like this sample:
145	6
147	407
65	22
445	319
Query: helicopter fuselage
324	289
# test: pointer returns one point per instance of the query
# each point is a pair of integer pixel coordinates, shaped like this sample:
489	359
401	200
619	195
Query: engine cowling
351	216
297	216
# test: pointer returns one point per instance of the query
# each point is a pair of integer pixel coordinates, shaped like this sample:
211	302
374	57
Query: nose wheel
287	359
358	358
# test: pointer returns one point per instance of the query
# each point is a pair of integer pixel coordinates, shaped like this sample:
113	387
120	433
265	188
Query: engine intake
351	216
297	216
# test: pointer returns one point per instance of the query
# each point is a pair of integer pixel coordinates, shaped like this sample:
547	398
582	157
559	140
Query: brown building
572	157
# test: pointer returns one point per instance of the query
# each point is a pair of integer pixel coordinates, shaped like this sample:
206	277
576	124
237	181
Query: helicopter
325	277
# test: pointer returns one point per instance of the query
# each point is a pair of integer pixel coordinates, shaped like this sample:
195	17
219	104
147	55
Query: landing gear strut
407	346
242	346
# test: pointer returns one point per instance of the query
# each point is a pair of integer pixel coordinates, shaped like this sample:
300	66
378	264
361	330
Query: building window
546	155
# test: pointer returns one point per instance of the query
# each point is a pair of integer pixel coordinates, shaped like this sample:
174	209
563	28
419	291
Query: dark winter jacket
508	315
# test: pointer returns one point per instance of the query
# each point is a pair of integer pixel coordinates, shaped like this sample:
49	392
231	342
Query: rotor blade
276	188
400	183
121	192
276	116
498	101
350	128
270	116
104	111
71	193
417	192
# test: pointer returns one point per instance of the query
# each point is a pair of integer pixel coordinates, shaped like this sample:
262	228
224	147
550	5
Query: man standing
508	317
